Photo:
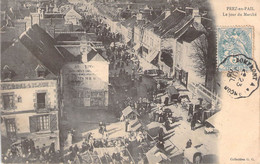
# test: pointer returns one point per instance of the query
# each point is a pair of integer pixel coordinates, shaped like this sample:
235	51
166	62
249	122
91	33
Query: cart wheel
197	159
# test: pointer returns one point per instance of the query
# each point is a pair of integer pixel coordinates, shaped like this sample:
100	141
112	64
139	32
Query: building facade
85	83
72	17
29	109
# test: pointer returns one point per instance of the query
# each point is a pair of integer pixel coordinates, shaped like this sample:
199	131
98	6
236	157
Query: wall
71	19
24	107
187	62
124	32
152	42
82	80
137	34
27	91
22	120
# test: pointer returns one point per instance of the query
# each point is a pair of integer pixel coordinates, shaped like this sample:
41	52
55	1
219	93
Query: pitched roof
180	28
41	45
156	21
171	24
190	35
74	13
9	35
93	55
59	23
109	11
21	61
130	22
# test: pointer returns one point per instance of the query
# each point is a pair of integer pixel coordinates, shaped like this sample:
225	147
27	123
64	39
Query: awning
136	127
136	47
155	156
151	56
146	65
128	110
215	120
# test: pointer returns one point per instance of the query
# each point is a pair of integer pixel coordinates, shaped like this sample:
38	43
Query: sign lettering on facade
26	85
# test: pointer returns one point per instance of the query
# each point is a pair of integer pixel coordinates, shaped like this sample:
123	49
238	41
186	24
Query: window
7	75
8	100
10	125
39	123
41	74
41	100
40	71
43	122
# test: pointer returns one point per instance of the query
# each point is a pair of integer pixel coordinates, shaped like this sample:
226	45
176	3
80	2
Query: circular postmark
241	77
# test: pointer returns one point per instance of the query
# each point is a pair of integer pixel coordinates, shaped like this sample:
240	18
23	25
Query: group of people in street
25	151
90	146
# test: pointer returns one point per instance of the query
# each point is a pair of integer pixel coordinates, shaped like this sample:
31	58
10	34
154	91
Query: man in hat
188	144
126	125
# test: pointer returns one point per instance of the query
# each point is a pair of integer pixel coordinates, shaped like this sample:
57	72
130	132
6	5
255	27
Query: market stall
173	94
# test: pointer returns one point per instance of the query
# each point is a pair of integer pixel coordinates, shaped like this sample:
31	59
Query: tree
205	58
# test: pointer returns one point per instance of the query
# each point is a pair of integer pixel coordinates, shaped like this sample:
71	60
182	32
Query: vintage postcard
130	81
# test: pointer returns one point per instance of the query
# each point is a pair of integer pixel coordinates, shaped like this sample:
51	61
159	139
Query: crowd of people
25	151
115	149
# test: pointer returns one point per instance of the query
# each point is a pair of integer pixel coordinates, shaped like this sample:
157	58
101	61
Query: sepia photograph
119	81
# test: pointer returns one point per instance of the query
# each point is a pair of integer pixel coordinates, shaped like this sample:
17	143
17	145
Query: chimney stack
196	15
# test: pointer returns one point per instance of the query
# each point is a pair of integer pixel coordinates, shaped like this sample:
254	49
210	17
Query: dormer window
41	72
7	73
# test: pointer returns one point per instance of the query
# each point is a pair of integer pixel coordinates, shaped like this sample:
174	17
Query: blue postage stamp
233	41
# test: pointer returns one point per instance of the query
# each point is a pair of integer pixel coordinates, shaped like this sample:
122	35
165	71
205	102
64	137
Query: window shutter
33	124
53	122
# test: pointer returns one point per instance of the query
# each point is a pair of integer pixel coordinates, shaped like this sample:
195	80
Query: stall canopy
146	65
112	44
153	128
172	90
155	156
128	110
215	120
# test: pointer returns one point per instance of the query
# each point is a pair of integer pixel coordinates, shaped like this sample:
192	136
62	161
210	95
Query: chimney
35	18
28	21
167	13
139	16
85	48
196	15
189	10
